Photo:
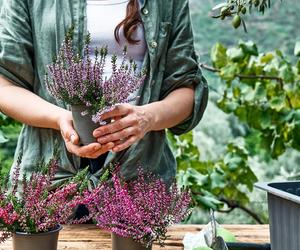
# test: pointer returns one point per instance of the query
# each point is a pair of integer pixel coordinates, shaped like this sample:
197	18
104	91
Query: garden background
226	154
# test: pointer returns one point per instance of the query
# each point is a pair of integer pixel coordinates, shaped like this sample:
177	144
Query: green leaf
235	54
208	201
226	234
297	49
249	48
296	136
294	96
278	147
183	179
278	102
253	113
2	138
260	91
241	113
268	57
298	67
218	55
265	120
196	177
286	73
229	72
217	180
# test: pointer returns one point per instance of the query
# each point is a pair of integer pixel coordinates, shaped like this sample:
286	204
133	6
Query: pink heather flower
141	209
37	208
77	80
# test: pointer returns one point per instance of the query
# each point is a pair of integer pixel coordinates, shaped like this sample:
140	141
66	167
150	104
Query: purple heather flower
141	209
37	208
77	80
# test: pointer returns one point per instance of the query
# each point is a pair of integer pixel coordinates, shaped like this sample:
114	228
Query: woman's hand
71	139
130	124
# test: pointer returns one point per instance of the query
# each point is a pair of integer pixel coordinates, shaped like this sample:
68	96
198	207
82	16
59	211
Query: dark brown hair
130	22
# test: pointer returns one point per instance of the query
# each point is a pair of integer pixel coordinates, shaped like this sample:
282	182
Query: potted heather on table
32	214
138	212
79	81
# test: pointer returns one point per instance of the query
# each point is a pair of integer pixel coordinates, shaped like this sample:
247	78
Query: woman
174	94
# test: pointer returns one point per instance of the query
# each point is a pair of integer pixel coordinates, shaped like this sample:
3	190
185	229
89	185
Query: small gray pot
121	243
39	241
83	124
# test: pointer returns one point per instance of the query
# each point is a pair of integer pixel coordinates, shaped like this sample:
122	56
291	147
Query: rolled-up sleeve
16	46
182	68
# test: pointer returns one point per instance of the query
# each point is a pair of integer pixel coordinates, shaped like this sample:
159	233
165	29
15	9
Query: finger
69	134
105	148
119	110
118	125
131	140
118	142
124	133
84	151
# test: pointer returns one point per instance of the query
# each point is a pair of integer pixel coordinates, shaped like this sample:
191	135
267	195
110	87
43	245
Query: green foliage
9	130
213	182
263	91
237	9
226	234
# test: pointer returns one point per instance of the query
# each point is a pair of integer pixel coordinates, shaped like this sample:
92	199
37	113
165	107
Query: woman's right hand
71	138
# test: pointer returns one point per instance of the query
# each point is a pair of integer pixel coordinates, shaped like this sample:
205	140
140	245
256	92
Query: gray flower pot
83	125
121	243
284	214
39	241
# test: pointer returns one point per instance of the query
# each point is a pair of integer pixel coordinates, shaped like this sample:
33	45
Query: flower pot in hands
121	243
38	241
83	124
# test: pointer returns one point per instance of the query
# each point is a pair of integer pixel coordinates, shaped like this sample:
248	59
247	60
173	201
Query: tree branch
233	205
241	76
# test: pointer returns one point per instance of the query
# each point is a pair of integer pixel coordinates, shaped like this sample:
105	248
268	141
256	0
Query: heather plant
140	209
77	80
29	205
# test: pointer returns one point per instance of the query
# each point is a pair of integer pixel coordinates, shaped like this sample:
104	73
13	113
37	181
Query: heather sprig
77	80
141	209
31	205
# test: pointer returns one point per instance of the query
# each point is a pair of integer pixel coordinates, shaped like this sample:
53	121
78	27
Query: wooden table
88	237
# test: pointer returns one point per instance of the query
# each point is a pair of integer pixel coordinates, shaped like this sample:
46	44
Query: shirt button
145	11
153	44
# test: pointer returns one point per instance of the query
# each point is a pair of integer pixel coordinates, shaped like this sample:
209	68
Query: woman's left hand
130	124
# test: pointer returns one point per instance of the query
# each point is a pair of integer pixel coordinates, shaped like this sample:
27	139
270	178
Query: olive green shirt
32	31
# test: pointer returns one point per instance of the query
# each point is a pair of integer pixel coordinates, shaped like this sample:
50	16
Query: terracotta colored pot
38	241
121	243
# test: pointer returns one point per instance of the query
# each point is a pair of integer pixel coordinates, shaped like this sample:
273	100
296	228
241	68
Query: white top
102	18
